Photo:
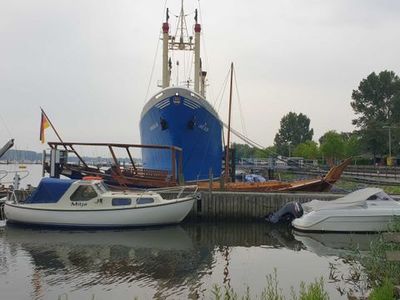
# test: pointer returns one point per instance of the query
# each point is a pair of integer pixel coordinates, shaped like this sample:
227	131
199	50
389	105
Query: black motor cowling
287	213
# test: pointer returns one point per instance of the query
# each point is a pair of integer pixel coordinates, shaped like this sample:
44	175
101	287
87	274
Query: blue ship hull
179	117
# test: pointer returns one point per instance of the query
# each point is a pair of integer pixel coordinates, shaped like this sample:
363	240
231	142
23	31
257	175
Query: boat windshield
101	187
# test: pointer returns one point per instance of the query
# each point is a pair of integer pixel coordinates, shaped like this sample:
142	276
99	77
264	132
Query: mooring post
210	180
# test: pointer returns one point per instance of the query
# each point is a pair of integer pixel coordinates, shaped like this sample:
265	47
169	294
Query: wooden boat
116	175
321	184
89	203
133	177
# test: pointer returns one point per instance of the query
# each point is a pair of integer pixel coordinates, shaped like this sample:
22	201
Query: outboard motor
287	213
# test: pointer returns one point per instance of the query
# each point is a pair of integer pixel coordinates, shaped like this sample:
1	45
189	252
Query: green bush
383	292
314	291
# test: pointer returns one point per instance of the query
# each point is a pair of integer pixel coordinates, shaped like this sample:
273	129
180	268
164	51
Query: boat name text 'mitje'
180	115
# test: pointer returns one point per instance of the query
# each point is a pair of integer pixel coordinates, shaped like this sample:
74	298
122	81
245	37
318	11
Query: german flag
44	123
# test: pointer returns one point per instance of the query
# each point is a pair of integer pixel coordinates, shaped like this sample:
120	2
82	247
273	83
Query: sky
89	63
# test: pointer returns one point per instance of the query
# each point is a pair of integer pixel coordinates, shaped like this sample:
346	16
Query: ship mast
165	62
197	30
229	129
183	42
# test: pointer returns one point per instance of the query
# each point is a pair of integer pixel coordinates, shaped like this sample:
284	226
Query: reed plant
377	267
381	274
272	291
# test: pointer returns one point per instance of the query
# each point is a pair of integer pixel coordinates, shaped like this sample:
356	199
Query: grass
383	292
346	185
382	274
377	267
272	291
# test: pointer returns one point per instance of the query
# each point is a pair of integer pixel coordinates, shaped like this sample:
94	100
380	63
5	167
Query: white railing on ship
175	189
4	174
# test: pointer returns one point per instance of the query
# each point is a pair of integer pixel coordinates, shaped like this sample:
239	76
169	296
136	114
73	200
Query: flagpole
51	124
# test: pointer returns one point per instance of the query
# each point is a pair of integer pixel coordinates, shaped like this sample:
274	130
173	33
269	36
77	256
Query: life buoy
92	178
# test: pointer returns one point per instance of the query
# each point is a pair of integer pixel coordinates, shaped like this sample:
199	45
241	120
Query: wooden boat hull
322	184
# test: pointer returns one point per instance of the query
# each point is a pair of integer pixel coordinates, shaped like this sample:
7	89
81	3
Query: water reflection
335	244
170	262
161	254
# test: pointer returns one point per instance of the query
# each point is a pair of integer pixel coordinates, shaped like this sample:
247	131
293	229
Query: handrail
180	190
176	154
16	172
118	145
1	174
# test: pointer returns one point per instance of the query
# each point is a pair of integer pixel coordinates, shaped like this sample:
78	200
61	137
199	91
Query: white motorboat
89	203
365	210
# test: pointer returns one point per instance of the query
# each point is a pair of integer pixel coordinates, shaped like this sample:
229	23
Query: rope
222	92
240	105
154	60
152	68
254	144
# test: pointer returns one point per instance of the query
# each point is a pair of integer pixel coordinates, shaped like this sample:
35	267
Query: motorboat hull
168	213
347	220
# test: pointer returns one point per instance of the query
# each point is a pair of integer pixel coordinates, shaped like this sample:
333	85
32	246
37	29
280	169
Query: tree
294	130
376	104
271	151
352	143
245	151
332	146
308	150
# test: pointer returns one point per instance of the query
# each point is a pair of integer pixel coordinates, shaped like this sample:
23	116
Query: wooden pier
246	206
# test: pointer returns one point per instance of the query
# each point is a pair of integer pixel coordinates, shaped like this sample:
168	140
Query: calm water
173	262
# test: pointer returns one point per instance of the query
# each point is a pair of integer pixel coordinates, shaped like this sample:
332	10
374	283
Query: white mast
197	30
183	42
165	69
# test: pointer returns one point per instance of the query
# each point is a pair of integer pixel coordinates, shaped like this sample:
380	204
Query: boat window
121	201
101	187
144	200
164	124
84	193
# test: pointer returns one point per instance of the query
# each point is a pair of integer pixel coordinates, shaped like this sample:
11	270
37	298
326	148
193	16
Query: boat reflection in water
335	244
164	262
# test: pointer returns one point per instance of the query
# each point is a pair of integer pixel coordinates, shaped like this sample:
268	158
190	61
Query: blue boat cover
254	178
50	190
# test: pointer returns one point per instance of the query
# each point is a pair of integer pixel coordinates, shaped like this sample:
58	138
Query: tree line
376	104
